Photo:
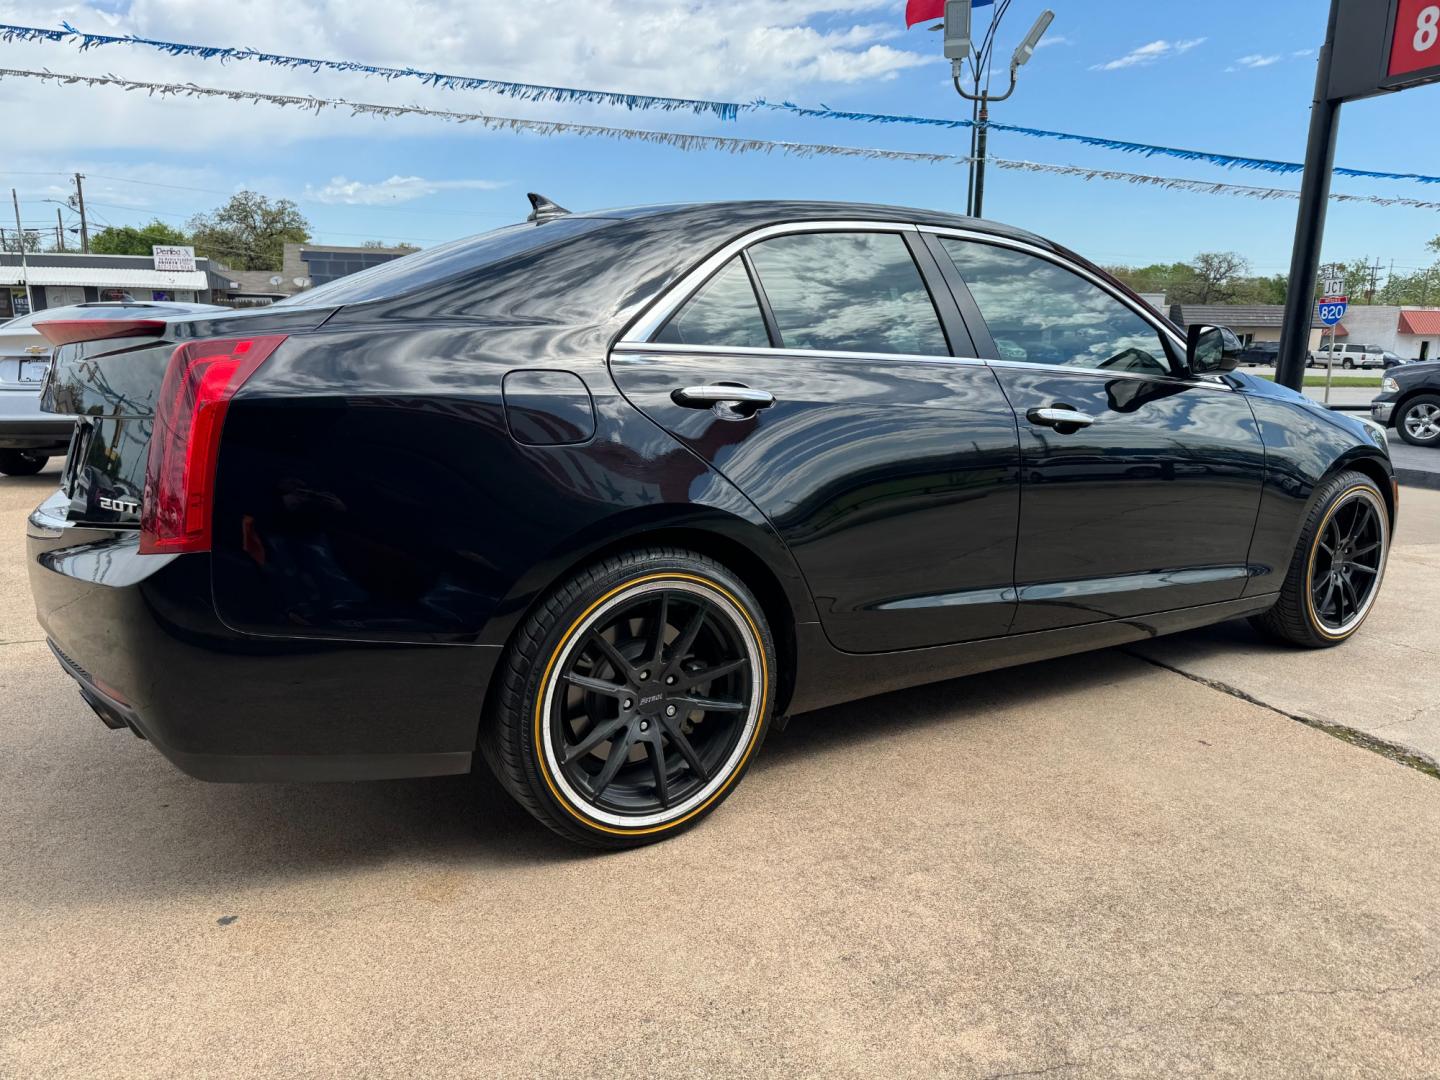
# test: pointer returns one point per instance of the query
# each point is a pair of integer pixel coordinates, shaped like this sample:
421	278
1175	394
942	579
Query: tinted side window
723	312
848	292
1044	314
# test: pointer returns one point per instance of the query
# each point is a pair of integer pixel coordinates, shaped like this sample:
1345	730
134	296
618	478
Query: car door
882	450
1139	487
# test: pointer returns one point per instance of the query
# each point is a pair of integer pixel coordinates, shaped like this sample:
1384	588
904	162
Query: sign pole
1330	367
1310	219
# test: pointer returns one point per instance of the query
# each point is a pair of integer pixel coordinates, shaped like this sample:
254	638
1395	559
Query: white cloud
1298	53
1150	53
691	48
1057	39
1257	60
396	189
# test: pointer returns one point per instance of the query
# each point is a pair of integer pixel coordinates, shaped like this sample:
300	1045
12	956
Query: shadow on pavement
113	820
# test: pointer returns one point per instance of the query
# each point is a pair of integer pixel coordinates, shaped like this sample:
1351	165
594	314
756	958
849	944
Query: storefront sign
176	258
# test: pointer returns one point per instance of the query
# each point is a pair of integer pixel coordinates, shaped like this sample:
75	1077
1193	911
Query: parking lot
1138	862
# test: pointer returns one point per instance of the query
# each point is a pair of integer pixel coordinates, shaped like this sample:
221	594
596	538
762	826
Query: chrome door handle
736	397
1057	418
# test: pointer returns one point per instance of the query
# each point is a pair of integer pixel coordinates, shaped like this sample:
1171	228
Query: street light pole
958	49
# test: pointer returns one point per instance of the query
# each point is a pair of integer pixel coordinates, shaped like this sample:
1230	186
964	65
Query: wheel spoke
1364	550
711	704
682	744
602	730
686	641
611	653
692	678
1358	568
656	753
619	751
598	686
1324	604
661	622
1349	590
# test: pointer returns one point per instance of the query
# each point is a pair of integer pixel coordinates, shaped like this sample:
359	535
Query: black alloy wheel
1339	562
633	698
651	703
1349	556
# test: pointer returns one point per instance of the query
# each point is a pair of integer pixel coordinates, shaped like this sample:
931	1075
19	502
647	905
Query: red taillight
180	472
69	331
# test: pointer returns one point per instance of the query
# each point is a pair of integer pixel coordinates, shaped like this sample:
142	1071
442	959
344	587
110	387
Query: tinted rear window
445	261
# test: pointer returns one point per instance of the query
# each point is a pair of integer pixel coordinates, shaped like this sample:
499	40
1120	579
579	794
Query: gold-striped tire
633	698
1334	578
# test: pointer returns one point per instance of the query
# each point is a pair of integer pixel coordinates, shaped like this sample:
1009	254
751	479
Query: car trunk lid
114	374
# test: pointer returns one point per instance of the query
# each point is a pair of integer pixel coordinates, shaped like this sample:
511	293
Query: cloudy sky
1232	76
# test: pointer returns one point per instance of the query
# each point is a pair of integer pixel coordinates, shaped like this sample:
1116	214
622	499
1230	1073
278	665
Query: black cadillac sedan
598	496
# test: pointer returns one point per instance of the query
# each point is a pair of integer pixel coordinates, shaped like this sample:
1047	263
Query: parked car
1353	356
600	496
29	438
1391	359
1409	401
1260	353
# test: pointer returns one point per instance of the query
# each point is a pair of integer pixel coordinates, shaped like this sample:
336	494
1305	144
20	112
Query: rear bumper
24	427
139	635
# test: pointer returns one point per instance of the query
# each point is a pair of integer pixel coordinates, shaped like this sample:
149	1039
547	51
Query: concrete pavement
1094	866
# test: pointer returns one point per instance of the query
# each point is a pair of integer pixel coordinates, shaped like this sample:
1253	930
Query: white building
1410	332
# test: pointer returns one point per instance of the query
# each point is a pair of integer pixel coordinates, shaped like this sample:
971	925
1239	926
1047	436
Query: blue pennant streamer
725	110
1225	160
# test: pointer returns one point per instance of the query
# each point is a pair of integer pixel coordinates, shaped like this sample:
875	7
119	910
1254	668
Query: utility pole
24	269
80	201
59	231
1373	269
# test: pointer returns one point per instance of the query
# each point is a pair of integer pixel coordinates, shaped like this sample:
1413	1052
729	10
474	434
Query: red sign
1417	37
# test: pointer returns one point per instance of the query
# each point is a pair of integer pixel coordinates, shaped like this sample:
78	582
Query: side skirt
826	676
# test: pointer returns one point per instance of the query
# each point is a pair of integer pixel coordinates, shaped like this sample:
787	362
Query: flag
924	10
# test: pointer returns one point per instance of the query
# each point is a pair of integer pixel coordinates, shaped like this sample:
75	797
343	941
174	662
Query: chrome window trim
633	348
653	318
636	337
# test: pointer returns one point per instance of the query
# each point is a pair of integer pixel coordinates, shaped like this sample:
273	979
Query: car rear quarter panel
371	486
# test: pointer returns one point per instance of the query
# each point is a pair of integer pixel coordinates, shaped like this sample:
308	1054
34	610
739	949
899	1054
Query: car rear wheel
1338	564
1348	364
22	462
633	698
1419	421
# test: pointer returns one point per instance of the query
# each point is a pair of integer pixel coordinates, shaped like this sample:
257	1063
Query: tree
250	232
129	240
31	240
383	246
1216	280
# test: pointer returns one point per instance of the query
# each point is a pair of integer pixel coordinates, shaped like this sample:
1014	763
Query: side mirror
1210	349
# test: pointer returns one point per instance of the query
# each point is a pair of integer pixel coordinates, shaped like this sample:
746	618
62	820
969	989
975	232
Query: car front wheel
633	698
21	462
1419	421
1337	567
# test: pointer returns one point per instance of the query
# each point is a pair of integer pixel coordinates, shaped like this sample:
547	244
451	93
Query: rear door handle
1059	417
739	398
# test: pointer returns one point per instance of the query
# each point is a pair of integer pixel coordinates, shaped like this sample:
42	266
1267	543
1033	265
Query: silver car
28	437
